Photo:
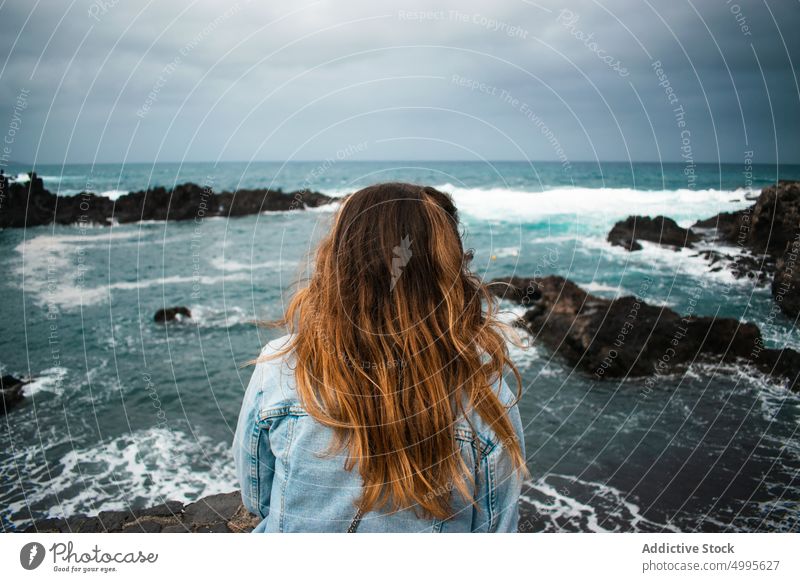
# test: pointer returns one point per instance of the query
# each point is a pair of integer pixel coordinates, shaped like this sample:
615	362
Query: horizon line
399	160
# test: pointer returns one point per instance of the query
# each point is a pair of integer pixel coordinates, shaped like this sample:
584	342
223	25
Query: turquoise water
125	413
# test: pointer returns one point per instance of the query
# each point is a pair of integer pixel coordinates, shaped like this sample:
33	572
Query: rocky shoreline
221	513
606	338
627	337
766	236
30	204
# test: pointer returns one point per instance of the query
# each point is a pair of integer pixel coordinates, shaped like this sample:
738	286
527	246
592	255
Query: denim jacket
287	482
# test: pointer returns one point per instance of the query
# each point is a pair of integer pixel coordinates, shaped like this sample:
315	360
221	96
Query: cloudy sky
107	81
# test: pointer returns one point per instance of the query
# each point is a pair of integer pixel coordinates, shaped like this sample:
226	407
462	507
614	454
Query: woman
385	408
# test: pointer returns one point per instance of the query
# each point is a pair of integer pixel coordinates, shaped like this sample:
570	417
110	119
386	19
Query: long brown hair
394	339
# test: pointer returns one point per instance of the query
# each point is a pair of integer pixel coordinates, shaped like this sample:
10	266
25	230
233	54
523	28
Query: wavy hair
395	339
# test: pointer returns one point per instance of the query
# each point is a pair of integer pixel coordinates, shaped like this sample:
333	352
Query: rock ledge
221	513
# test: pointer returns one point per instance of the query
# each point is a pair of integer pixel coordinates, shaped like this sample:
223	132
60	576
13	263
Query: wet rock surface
786	282
662	230
767	226
220	513
768	233
30	204
615	338
171	314
10	392
766	237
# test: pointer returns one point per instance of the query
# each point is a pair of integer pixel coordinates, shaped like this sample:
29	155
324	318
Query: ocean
125	413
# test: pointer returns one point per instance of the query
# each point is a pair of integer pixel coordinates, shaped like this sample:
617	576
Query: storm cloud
110	81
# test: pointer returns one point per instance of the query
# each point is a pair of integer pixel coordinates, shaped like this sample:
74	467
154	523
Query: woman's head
395	338
393	265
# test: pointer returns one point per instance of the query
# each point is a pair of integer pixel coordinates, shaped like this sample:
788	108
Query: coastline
220	513
31	204
173	517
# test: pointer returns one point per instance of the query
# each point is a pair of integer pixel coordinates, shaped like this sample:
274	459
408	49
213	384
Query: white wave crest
605	205
49	380
567	503
51	272
146	467
113	194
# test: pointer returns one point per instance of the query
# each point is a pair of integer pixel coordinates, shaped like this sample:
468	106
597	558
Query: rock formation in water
615	338
662	230
786	281
767	235
172	313
30	204
10	392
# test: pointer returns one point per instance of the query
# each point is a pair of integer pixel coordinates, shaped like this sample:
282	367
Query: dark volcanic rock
662	230
215	513
769	234
223	513
785	363
786	283
766	227
245	202
10	392
171	313
212	509
743	265
627	337
723	227
30	204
